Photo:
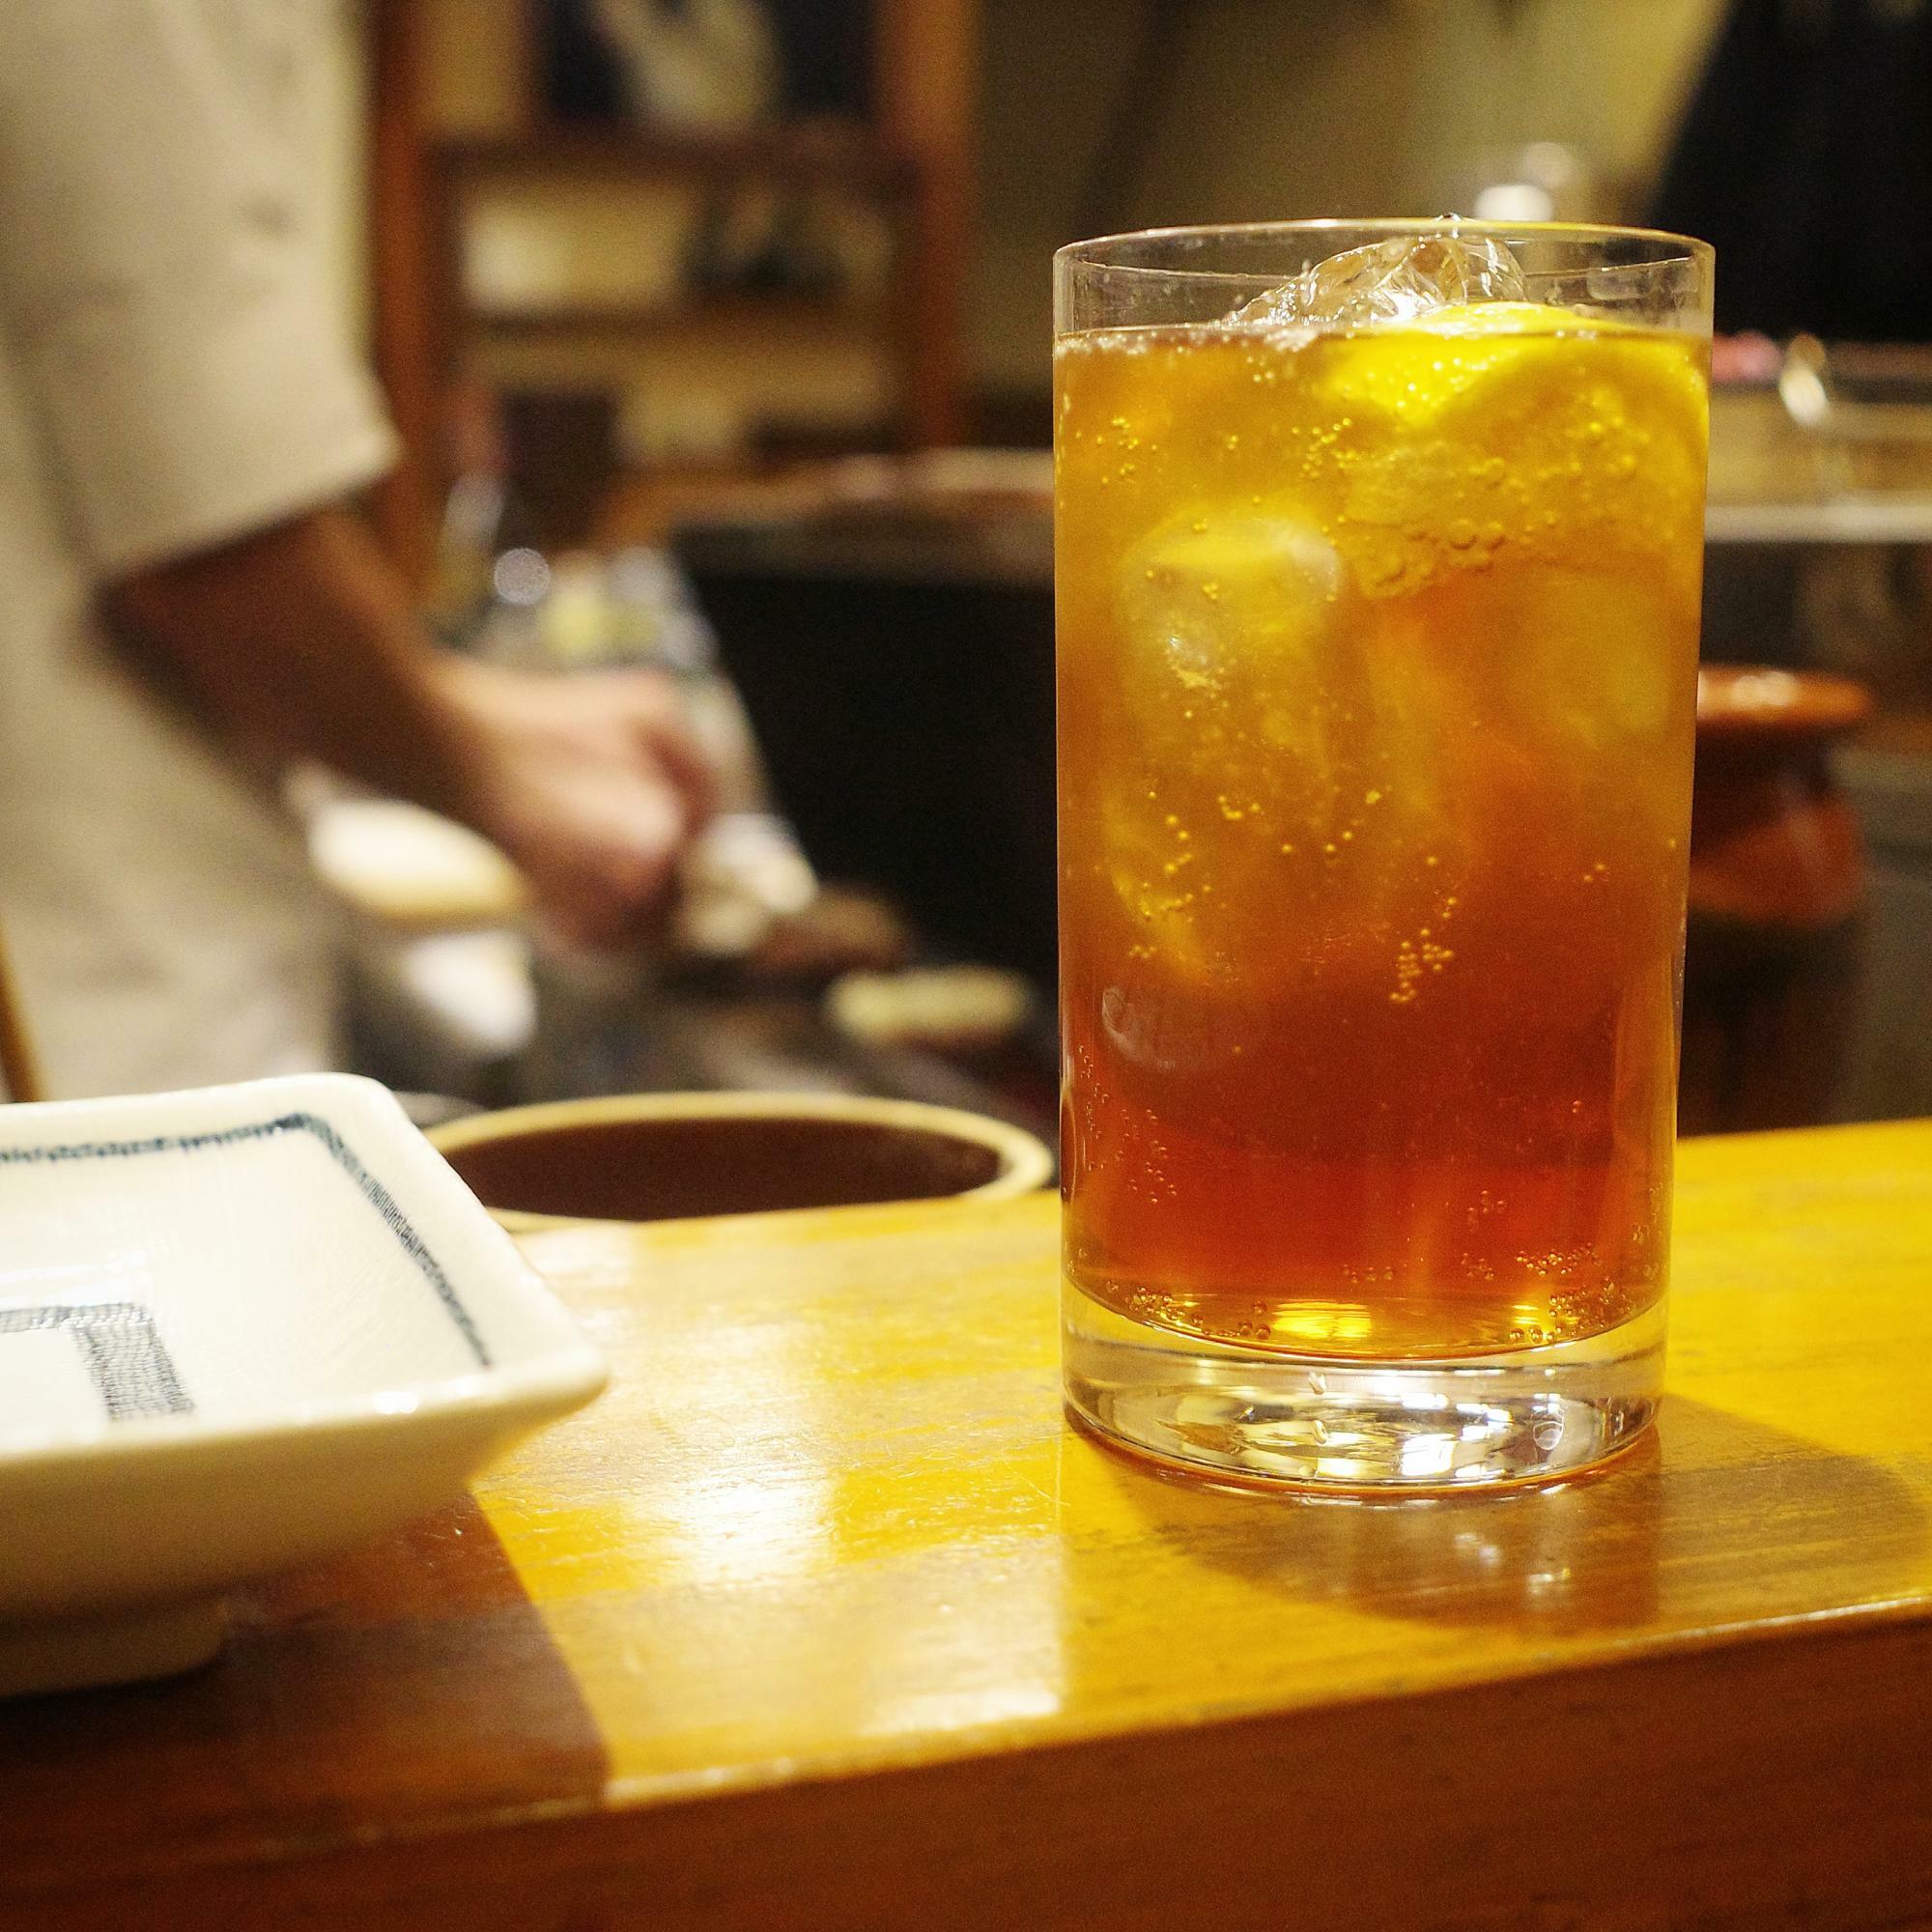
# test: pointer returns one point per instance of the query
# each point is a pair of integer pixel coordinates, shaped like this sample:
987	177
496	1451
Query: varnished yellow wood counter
823	1618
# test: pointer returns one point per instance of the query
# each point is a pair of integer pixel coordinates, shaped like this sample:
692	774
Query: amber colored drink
1377	657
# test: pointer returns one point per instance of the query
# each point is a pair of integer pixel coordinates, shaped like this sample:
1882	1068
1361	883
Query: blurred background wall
1259	109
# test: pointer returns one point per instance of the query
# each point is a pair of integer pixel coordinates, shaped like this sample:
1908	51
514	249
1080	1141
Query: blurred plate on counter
412	868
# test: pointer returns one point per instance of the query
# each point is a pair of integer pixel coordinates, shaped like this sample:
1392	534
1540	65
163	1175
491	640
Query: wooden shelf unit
913	158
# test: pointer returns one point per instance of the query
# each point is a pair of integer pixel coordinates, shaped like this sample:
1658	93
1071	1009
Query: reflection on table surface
826	1600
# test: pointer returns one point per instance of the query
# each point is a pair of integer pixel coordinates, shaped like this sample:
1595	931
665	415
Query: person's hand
591	782
298	643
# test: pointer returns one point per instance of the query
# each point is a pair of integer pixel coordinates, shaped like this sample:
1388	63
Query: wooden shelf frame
835	153
681	316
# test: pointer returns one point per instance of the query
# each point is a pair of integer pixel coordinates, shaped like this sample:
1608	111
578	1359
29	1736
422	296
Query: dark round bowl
674	1156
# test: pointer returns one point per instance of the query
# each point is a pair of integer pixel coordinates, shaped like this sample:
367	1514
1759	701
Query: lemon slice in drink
1514	424
1416	371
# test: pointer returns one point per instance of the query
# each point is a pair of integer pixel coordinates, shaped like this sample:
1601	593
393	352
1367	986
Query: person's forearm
300	643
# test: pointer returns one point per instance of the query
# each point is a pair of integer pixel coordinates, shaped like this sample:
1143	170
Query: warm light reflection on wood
824	1619
830	1513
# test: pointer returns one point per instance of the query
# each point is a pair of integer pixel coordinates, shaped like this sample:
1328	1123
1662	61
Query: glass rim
1091	252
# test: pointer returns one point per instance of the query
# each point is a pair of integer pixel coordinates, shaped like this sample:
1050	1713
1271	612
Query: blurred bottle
489	578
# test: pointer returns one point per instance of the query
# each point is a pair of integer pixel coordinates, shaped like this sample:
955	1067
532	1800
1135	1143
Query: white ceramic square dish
240	1329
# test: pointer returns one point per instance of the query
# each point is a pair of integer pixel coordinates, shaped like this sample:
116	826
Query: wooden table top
823	1616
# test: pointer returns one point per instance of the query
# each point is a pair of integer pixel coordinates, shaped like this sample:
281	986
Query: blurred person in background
187	607
1806	157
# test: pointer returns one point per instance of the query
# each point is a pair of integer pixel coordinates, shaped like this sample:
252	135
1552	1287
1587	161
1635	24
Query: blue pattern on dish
372	1190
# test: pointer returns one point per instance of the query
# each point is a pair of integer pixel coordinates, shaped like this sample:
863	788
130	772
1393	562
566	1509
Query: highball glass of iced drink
1378	551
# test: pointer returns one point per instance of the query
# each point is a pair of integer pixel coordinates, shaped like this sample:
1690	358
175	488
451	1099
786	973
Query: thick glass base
1255	1417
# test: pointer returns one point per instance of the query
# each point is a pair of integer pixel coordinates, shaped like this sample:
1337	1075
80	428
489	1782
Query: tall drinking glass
1379	552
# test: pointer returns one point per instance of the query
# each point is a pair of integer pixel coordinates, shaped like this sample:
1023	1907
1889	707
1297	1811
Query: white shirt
171	376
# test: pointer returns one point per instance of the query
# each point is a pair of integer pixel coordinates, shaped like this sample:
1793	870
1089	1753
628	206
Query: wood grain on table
824	1617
